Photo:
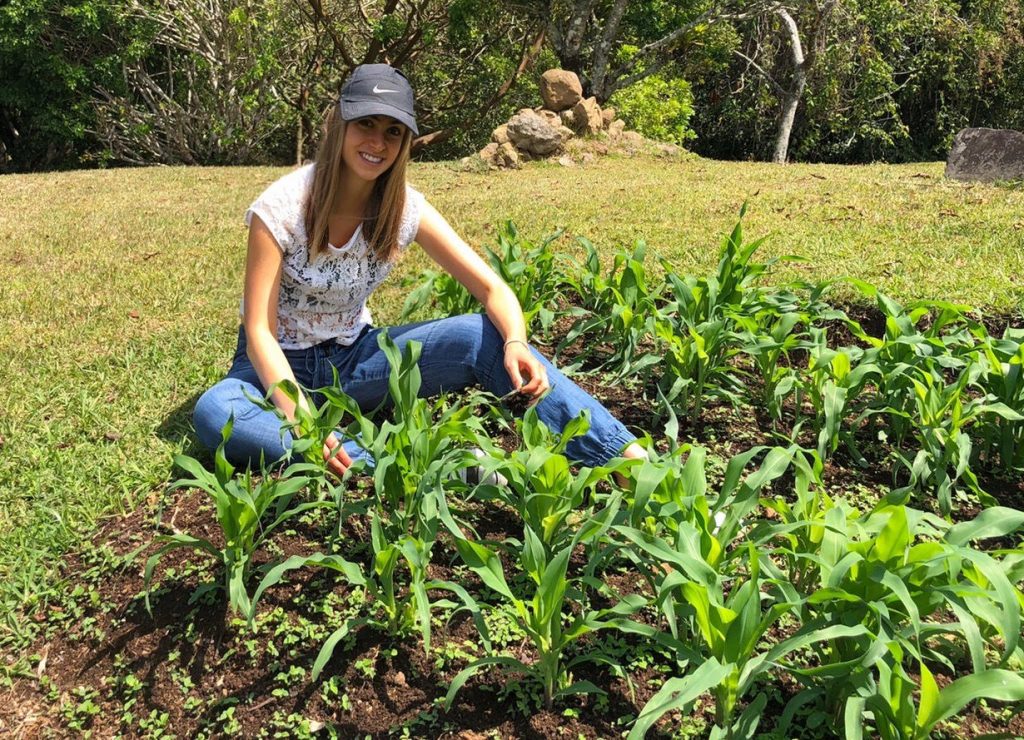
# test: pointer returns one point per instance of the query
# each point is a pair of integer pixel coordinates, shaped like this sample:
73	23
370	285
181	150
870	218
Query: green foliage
242	503
658	106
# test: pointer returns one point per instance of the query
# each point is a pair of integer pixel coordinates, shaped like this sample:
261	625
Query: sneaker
475	474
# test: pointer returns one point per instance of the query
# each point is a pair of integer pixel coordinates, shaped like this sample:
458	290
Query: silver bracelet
512	341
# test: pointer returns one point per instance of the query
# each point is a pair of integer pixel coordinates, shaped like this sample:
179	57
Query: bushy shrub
658	106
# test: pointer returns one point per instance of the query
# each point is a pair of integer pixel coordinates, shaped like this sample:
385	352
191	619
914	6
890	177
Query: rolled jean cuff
617	443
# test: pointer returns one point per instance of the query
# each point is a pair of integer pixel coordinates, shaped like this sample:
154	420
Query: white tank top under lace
325	299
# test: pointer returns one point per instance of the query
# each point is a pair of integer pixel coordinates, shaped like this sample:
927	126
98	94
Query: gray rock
560	89
532	133
986	155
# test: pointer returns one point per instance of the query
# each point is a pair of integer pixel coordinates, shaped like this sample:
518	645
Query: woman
320	240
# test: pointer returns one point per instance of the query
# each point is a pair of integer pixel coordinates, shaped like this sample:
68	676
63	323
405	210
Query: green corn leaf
997	684
352	572
971	633
464	675
892	542
331	643
997	521
468	603
486	564
694	568
677	693
746	726
852	717
579	687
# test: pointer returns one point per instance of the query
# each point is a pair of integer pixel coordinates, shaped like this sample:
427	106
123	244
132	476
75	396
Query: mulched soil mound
104	666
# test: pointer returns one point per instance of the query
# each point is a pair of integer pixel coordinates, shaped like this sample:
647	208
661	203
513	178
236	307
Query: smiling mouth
370	158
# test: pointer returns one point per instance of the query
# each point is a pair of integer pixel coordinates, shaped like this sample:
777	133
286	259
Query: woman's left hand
526	372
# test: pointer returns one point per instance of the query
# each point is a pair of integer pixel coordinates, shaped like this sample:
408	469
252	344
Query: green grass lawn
119	294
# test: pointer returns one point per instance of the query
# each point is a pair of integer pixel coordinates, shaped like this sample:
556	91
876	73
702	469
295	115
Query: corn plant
696	329
942	414
889	572
416	452
617	309
556	613
530	269
835	379
769	350
711	590
1002	381
540	484
243	503
729	628
941	346
673	519
892	713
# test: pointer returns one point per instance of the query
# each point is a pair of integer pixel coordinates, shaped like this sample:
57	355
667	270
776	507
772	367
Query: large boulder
986	155
560	89
532	133
587	116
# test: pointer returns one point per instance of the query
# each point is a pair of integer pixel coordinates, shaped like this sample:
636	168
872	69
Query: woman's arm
448	250
262	286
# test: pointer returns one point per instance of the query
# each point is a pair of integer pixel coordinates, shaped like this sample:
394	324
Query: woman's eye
394	131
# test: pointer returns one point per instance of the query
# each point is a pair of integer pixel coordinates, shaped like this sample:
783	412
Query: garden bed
836	542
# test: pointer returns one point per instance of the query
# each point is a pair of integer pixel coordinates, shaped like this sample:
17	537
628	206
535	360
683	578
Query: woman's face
371	145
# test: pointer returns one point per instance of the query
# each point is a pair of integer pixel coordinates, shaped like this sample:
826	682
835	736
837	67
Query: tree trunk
791	97
790	102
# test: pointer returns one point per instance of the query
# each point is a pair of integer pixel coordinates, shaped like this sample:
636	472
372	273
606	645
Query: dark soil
105	666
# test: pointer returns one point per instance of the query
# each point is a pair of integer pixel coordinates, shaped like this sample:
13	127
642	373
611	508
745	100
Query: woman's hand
525	370
338	461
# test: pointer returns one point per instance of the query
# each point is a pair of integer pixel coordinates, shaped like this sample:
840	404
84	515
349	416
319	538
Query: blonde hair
383	215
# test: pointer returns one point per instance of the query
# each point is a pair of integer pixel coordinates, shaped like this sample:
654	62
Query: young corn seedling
555	614
728	629
892	713
540	483
697	330
531	270
768	343
416	454
939	347
619	309
243	502
1002	381
943	412
674	520
835	380
891	572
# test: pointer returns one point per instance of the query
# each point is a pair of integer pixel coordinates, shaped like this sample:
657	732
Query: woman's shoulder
293	183
281	206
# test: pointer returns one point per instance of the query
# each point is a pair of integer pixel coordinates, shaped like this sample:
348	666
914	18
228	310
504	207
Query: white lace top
325	299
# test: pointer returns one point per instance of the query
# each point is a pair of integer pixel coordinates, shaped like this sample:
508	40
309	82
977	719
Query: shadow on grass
177	428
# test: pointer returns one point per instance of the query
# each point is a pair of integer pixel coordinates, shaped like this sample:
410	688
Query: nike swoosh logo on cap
382	90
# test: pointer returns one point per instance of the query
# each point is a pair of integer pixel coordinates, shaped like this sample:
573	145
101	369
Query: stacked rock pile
567	126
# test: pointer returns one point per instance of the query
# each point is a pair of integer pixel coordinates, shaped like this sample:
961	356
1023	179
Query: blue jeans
457	352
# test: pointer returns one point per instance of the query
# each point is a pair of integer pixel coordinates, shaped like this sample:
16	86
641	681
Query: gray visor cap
378	90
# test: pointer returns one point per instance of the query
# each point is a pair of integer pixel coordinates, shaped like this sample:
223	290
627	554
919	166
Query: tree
816	15
588	35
